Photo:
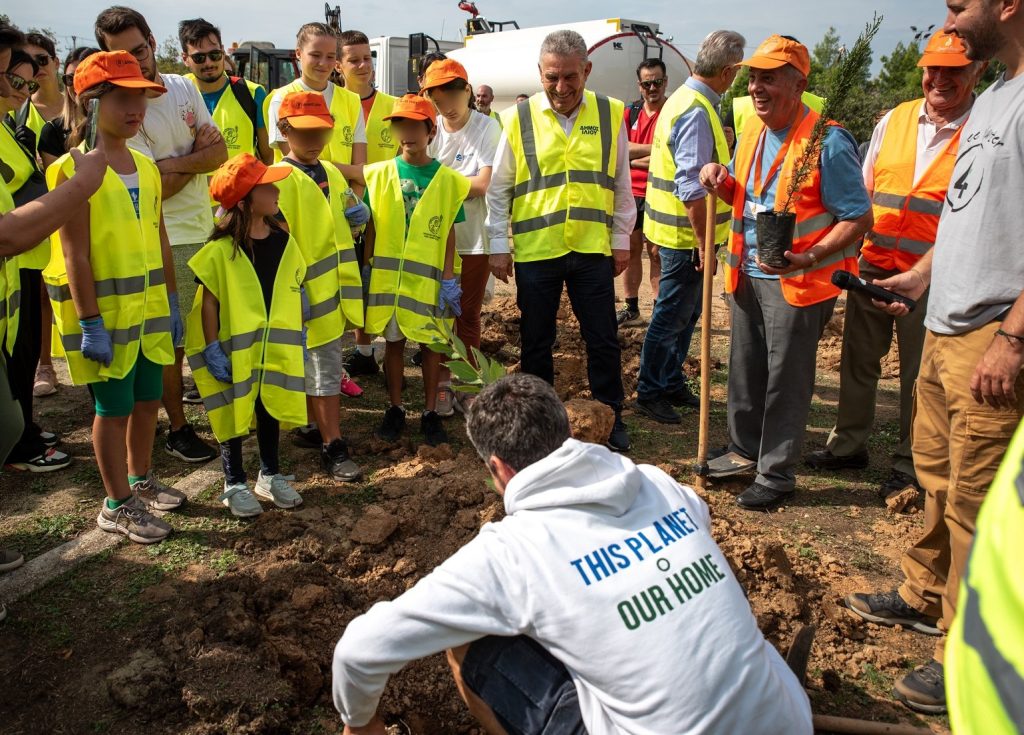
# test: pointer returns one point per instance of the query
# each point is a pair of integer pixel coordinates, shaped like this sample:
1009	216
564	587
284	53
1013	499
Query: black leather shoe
659	410
684	397
359	364
618	440
823	459
393	425
762	497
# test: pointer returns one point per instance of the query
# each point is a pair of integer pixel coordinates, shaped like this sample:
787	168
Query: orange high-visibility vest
813	221
906	212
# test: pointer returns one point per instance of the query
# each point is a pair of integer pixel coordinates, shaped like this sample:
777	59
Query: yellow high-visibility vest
564	194
333	285
10	285
235	126
666	222
405	281
743	109
380	144
265	349
128	274
16	167
985	650
345	108
497	117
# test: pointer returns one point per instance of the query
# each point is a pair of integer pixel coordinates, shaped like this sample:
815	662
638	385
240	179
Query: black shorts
640	201
528	689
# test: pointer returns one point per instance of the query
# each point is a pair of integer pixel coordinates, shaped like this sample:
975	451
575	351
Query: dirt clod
589	421
374	527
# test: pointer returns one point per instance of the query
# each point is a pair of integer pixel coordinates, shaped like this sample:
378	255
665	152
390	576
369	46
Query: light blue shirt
842	185
693	144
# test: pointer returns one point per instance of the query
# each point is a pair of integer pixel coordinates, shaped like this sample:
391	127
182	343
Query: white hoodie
611	567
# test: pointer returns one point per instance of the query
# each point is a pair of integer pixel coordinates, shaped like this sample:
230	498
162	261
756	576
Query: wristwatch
1011	338
813	257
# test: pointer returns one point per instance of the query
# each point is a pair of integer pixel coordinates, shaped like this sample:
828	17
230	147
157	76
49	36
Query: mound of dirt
589	421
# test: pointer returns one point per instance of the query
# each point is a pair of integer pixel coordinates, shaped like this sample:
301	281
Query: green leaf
439	347
481	360
459	347
495	371
463	371
467	388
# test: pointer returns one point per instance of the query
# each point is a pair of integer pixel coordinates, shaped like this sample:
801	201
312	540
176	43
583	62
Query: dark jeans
589	279
21	364
267	435
672	323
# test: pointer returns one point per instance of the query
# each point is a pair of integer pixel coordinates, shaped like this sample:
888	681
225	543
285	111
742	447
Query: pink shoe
350	388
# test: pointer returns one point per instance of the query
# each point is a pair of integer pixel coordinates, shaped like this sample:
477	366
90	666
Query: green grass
178	552
40	533
807	552
361	496
222	563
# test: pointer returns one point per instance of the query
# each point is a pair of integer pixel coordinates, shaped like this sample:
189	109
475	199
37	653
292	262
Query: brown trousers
958	446
475	270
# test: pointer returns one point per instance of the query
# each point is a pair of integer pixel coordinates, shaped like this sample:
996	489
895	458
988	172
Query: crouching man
600	604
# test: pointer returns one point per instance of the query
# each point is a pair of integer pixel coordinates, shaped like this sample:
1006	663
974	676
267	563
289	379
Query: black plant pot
774	237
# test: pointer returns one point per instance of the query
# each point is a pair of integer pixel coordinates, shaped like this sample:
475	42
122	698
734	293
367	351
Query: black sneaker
761	497
49	460
659	410
888	608
923	689
417	359
823	459
191	396
393	424
49	439
683	397
626	317
359	364
432	429
337	464
618	440
186	446
897	482
307	437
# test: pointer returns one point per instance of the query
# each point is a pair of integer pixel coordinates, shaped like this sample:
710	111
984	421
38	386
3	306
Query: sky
277	21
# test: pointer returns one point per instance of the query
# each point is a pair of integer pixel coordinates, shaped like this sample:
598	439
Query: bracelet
1011	337
917	273
813	257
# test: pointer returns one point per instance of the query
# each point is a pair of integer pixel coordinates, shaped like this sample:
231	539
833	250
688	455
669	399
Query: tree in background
168	57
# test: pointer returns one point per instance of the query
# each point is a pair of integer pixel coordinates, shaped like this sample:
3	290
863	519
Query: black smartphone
92	124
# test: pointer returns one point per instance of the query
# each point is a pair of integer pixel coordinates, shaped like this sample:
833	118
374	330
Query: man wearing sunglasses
47	100
236	104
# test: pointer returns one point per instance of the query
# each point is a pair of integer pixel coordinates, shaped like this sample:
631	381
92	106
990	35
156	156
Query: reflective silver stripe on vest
588	214
539	223
1008	683
915	247
422	269
601	178
418	307
230	395
848	252
538	183
732	260
813	224
58	293
386	263
326	265
919	205
348	255
280	336
14	302
604	121
661	184
157	324
672	220
286	382
737	225
73	342
242	341
351	293
529	142
120	286
324	307
156	277
381	299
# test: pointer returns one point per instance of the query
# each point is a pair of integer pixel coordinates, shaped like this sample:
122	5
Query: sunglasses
201	58
69	81
41	60
653	83
17	83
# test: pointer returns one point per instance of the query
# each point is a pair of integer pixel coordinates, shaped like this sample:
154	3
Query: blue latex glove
304	300
96	343
450	298
358	214
364	277
217	362
177	328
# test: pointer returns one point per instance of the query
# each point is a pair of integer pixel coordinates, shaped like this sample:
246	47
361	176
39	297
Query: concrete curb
37	572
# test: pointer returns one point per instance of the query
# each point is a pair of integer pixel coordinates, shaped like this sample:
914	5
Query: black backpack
634	112
241	91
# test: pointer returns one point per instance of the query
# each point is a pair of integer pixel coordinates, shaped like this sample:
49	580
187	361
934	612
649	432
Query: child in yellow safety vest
111	282
410	250
244	339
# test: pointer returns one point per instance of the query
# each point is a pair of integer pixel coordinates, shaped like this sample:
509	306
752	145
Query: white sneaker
240	501
277	490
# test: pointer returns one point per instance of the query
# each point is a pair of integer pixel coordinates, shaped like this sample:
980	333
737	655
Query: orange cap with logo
305	110
239	175
441	72
777	51
119	68
944	49
414	107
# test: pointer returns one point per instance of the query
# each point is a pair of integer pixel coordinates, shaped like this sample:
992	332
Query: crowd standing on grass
147	218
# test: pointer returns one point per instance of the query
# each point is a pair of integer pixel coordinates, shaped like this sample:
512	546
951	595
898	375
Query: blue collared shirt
693	144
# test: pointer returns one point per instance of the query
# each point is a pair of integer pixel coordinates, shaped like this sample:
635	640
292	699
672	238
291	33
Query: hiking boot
45	382
432	429
337	464
823	459
626	317
923	689
156	495
240	501
50	460
762	497
659	410
10	560
728	464
191	396
888	608
359	364
133	519
618	440
308	437
188	447
684	398
445	400
896	482
393	424
277	490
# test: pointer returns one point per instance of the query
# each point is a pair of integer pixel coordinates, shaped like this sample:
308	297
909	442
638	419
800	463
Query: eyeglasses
41	60
17	83
140	52
653	83
201	58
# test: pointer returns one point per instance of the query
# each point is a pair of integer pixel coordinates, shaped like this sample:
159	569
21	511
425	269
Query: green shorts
185	277
117	398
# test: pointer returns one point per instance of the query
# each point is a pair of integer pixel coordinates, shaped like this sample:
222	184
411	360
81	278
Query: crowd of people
245	231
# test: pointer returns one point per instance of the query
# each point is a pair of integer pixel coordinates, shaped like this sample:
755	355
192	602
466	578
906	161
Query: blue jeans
675	317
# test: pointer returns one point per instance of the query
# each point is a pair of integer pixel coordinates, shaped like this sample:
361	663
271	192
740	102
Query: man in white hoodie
600	604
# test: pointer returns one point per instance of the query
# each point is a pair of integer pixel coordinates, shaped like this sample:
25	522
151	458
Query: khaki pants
958	446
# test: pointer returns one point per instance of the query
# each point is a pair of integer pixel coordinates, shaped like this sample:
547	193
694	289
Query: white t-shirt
467	151
359	136
169	131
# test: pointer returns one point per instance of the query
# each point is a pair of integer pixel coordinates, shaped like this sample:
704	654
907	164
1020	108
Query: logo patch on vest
434	227
385	136
347	135
230	136
589	129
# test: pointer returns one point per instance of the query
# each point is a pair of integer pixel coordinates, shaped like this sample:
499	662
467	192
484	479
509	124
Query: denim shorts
528	689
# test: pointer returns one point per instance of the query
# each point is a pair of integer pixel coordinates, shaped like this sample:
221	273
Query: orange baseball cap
441	72
944	49
117	67
776	51
237	176
305	110
414	107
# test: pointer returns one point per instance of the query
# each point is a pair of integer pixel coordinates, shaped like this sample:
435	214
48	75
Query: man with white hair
562	171
687	137
484	97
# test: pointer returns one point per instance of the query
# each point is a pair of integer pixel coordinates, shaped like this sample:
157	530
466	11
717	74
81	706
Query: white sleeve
359	135
475	593
499	195
624	214
488	142
203	116
874	147
275	134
